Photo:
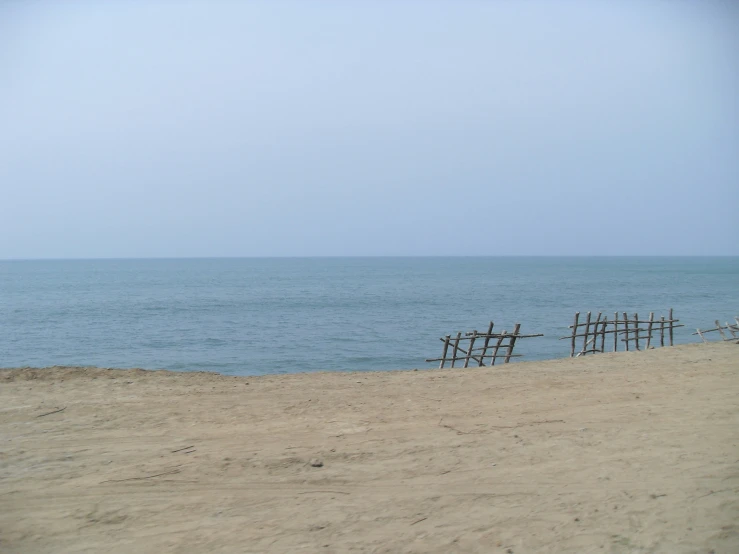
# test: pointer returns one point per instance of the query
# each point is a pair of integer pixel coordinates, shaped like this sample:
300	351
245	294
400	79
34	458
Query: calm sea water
261	316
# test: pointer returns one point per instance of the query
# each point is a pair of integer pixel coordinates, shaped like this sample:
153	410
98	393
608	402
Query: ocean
254	316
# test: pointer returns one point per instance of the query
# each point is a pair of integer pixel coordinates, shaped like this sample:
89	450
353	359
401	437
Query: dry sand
629	452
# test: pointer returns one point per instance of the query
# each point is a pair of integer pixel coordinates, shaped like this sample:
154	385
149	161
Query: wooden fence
633	332
730	328
492	343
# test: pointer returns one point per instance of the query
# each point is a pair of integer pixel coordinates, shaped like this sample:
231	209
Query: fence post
455	346
587	332
446	348
720	330
649	330
662	331
603	335
469	350
511	342
497	345
636	322
574	334
595	332
485	346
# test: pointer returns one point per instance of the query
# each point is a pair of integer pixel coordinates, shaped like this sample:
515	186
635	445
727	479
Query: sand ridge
626	452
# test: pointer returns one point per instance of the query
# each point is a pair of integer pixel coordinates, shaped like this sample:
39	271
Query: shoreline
627	451
499	367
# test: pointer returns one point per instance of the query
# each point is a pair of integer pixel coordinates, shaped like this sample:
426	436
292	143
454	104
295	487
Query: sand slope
629	452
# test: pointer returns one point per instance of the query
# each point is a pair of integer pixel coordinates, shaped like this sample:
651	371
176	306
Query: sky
368	128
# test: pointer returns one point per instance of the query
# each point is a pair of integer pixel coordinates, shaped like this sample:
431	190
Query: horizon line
376	256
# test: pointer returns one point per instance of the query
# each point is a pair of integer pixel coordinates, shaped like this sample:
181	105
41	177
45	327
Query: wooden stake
626	328
671	324
455	346
649	330
443	354
574	333
485	346
511	342
662	331
469	351
636	324
595	331
720	330
497	345
587	331
603	335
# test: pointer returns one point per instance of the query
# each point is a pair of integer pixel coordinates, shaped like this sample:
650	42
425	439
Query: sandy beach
628	452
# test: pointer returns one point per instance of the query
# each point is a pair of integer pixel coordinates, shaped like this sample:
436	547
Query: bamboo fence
730	328
633	332
492	344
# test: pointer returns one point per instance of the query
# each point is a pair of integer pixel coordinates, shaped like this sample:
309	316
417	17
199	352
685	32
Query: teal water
283	315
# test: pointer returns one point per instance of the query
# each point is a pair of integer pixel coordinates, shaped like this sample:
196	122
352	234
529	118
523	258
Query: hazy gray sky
275	128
